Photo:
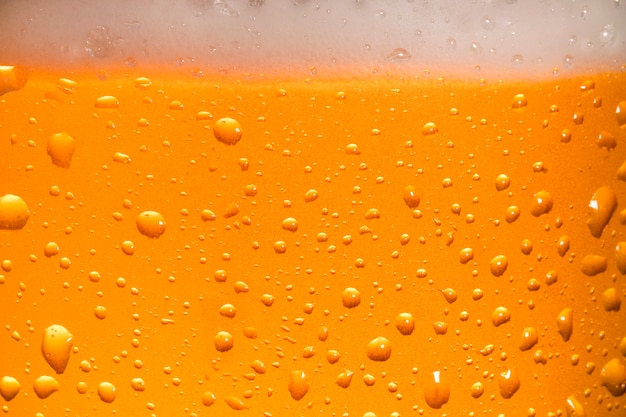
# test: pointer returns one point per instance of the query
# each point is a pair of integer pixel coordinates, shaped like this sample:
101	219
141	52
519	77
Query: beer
385	244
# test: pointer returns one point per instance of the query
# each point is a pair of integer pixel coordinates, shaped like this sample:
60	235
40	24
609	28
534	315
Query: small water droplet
399	55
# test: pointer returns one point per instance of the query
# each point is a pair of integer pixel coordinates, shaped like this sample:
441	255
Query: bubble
14	212
227	131
612	299
502	182
12	78
379	349
351	297
466	255
498	265
594	265
477	389
436	391
620	257
208	398
565	323
410	197
290	224
601	208
529	338
500	316
44	386
620	113
405	323
9	387
574	408
519	101
613	377
508	383
429	129
151	224
128	247
223	341
542	203
399	55
67	86
61	148
344	379
298	384
56	347
512	214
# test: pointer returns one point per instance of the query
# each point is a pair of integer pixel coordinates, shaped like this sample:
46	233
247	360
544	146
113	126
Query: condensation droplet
9	387
594	264
500	316
565	323
298	384
379	349
436	391
542	203
151	224
14	212
227	130
613	377
44	386
601	208
508	383
56	347
61	148
399	55
405	323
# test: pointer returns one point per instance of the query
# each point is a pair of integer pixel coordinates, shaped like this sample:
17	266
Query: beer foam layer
480	38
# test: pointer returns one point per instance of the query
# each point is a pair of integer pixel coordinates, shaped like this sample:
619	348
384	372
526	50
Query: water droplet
405	323
9	387
56	347
466	255
562	245
498	265
332	356
620	257
100	312
399	55
44	386
566	136
67	86
61	148
620	113
477	389
107	103
151	224
502	182
509	383
298	384
128	248
344	379
311	195
512	214
500	316
12	78
613	377
519	101
207	215
14	212
542	203
228	310
607	34
612	299
529	338
593	264
450	295
290	224
351	297
440	327
235	403
601	208
410	197
227	130
101	42
223	341
280	247
565	323
208	398
606	140
429	128
574	408
379	349
436	391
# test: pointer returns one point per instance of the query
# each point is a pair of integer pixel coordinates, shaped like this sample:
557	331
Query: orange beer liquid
369	246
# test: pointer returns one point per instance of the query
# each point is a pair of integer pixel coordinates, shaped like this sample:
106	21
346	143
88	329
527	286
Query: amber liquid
368	246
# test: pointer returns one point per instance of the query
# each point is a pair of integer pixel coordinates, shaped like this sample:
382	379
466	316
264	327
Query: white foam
493	37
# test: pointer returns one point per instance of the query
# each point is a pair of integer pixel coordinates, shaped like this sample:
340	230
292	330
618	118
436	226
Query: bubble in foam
14	212
607	34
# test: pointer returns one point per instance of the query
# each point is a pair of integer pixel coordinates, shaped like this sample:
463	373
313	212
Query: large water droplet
298	384
61	148
14	212
56	347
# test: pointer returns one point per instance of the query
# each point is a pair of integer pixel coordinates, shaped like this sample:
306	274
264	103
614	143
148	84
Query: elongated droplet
437	392
601	208
298	384
56	347
565	323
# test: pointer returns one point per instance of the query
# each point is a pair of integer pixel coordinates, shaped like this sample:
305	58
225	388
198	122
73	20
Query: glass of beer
305	208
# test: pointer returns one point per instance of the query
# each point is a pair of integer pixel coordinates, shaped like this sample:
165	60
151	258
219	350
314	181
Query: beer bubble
436	391
44	386
56	347
14	212
601	208
227	130
351	297
151	224
379	349
9	387
298	384
565	323
405	323
61	148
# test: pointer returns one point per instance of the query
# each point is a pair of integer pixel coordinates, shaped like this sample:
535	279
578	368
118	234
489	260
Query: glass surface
357	208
